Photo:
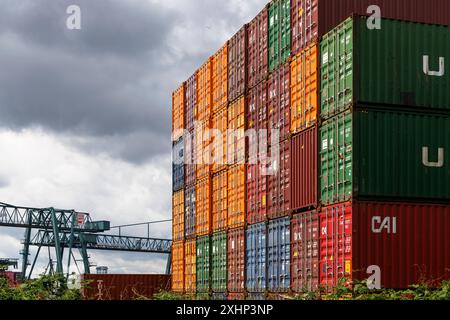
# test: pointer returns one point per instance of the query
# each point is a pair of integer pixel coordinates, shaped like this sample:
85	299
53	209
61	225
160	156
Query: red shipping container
257	107
236	260
123	286
279	182
190	167
304	170
311	19
258	42
305	252
256	192
401	244
279	108
237	64
191	102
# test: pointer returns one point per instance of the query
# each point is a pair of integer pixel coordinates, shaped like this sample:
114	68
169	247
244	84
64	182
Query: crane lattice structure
68	229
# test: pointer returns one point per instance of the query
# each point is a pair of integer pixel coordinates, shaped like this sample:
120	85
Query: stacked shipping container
353	171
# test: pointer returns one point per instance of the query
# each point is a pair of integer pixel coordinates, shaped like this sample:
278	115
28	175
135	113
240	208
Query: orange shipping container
204	91
178	266
220	78
190	266
202	149
178	215
220	201
219	143
203	207
304	89
178	111
236	196
237	125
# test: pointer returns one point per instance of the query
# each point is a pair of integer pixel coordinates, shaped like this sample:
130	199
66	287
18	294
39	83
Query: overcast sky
85	114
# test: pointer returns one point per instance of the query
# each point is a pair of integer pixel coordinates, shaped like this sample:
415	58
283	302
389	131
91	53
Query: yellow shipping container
236	196
220	201
178	266
178	111
236	124
220	79
204	91
203	207
178	216
219	147
190	266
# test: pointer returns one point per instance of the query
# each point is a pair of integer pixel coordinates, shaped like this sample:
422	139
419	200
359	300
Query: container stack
350	177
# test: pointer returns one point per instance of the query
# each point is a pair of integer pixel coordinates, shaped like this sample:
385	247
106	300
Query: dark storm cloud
110	81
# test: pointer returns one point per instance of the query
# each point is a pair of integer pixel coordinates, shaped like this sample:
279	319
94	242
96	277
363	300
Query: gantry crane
67	229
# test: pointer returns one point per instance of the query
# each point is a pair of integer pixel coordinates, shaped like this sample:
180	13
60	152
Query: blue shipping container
255	252
178	165
189	212
278	255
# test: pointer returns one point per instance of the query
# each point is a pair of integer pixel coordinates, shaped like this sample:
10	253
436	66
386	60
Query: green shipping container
219	262
403	63
385	153
203	264
279	33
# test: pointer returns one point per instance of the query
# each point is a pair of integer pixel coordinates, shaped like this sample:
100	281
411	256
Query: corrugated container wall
178	267
279	255
219	143
203	207
219	262
190	266
386	154
178	215
409	71
115	287
311	19
279	33
257	109
237	124
256	245
279	103
258	49
220	201
178	169
236	296
400	243
236	260
236	196
304	89
279	182
178	116
256	193
203	264
189	212
202	146
220	79
304	173
191	102
237	64
190	166
204	91
305	235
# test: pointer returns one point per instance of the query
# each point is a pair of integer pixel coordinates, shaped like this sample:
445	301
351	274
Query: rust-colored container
237	64
178	266
202	149
191	102
190	158
237	124
399	244
236	296
236	196
178	112
258	42
304	89
304	174
279	109
204	91
257	108
256	192
123	286
203	207
220	201
190	266
236	260
178	215
311	19
219	140
279	182
305	234
220	79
